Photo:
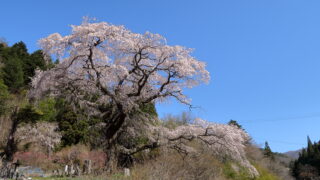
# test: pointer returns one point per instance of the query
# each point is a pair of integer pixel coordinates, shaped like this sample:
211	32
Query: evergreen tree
267	150
34	61
19	65
307	166
13	74
310	147
74	127
20	49
235	123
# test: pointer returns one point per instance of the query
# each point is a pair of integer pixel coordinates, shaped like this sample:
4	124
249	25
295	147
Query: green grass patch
265	174
242	173
230	172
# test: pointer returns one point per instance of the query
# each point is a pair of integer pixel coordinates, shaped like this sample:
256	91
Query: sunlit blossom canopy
115	64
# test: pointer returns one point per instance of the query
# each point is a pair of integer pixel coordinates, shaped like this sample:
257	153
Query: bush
48	108
150	109
29	114
74	128
4	96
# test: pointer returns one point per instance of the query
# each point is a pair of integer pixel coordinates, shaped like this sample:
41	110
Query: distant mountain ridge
293	154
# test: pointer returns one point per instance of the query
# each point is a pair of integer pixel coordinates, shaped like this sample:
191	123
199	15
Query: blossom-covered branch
119	66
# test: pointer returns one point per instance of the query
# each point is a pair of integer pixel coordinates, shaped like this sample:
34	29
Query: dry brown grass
171	165
5	120
78	153
273	165
5	125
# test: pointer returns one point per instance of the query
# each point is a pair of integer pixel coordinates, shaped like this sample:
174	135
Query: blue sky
263	55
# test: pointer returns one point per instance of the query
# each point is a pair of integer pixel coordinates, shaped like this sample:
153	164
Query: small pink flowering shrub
35	159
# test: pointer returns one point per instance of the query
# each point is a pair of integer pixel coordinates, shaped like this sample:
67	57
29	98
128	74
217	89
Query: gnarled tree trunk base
8	169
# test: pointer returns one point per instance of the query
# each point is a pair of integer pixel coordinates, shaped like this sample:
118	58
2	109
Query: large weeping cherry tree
110	71
117	67
104	66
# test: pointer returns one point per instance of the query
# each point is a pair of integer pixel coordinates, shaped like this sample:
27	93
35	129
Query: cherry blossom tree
220	140
42	133
108	70
113	65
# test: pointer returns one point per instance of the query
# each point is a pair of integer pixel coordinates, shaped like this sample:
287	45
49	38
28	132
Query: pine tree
20	49
267	150
20	64
235	123
34	61
13	74
307	166
310	147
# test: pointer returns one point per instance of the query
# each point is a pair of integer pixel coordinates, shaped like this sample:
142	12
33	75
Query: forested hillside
307	165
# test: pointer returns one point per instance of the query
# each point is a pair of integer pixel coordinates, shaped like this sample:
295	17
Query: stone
77	170
66	170
72	171
126	172
87	167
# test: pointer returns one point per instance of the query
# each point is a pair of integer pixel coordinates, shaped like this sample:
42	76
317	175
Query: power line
283	142
317	115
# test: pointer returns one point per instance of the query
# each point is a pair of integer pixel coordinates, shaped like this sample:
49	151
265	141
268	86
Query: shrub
35	159
29	114
4	96
48	108
149	109
74	127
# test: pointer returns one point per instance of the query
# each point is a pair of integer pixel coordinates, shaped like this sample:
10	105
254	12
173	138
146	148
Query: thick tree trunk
112	159
114	126
11	148
7	168
112	133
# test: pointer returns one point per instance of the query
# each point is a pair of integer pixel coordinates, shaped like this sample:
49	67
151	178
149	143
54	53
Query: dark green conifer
267	150
34	61
310	147
307	166
235	123
20	49
13	74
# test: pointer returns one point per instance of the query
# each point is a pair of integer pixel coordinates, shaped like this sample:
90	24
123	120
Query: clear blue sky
264	56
